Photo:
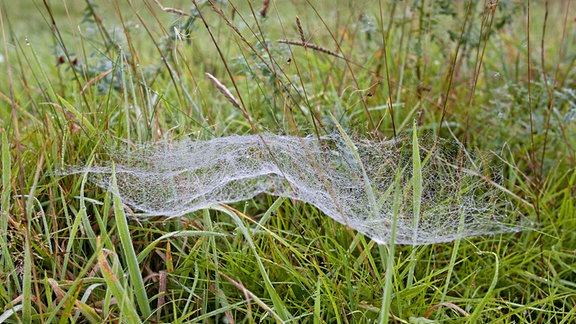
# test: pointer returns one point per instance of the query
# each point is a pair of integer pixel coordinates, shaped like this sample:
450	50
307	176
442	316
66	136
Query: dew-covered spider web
352	184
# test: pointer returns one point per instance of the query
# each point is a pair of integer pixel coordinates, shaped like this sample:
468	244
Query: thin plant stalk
388	258
7	266
116	288
489	294
128	250
280	311
416	199
453	257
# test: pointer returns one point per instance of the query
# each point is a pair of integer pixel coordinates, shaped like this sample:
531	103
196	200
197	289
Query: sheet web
176	178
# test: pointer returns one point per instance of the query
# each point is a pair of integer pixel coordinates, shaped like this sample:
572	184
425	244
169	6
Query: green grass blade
318	302
279	306
128	250
453	257
27	284
83	216
28	255
6	183
89	313
7	266
450	269
416	199
183	233
212	254
270	211
83	121
367	184
489	294
78	281
74	232
115	286
388	258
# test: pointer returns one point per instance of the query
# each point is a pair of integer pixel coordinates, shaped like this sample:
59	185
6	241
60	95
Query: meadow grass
79	78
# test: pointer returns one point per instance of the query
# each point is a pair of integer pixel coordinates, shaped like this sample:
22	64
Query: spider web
352	184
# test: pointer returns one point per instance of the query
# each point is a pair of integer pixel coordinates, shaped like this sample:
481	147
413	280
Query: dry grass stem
172	10
311	46
223	90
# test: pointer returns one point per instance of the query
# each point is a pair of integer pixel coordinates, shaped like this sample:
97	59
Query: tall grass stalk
479	309
280	311
27	282
212	250
114	284
416	198
453	257
367	184
387	253
7	264
129	254
74	232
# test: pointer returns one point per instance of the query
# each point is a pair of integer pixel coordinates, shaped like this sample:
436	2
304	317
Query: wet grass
77	79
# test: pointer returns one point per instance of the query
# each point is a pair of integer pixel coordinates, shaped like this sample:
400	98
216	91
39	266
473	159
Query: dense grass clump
79	80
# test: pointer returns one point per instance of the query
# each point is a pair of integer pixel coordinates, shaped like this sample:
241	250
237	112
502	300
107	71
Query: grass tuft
79	79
